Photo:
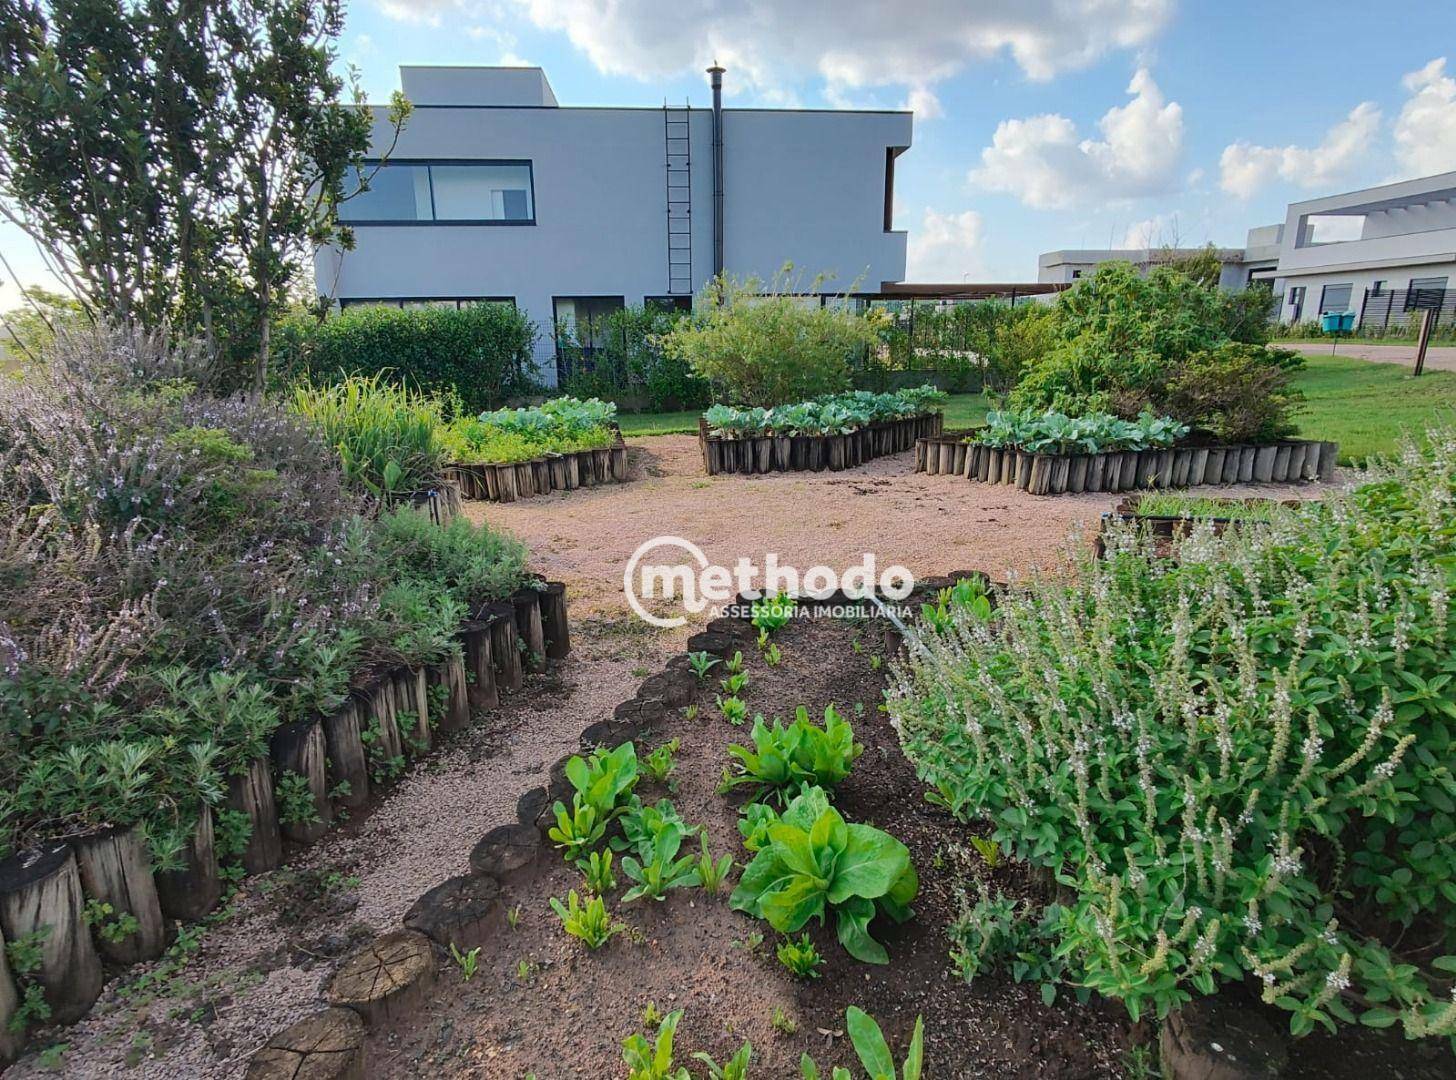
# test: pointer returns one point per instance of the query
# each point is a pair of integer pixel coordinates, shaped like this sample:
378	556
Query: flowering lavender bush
180	574
1237	762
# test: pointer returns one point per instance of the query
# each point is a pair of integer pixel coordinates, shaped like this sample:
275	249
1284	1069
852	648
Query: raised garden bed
1217	514
1289	461
509	481
814	453
337	762
540	1002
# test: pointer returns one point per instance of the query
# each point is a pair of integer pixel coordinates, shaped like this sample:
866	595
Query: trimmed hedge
483	353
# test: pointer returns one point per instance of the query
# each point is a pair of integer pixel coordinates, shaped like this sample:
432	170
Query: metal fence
1400	309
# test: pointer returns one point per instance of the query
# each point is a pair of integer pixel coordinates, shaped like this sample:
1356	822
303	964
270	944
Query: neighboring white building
1238	265
495	192
1381	254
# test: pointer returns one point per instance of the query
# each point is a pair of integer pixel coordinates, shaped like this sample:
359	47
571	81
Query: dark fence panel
1401	308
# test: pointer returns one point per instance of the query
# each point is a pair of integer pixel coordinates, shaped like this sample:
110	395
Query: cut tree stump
40	893
300	748
1211	1038
376	715
451	676
387	979
115	869
328	1045
457	912
250	792
527	605
193	891
348	764
11	1042
412	709
505	849
479	668
505	649
553	620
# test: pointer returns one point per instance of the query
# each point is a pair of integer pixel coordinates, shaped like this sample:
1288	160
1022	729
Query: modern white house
1381	255
495	192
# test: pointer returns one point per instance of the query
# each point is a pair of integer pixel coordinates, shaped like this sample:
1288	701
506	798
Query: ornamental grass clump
1237	761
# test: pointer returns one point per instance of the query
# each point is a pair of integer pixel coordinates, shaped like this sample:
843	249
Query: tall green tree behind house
176	161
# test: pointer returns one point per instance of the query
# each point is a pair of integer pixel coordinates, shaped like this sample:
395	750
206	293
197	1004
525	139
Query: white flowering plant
1235	762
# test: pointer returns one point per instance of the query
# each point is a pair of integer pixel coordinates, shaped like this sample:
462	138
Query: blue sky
1039	125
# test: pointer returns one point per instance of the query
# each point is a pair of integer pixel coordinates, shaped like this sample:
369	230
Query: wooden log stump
509	848
1198	466
1231	459
300	748
40	894
387	980
601	465
573	471
1129	478
783	447
412	710
192	891
1147	469
328	1045
1296	461
1182	458
958	459
505	483
1264	463
529	629
11	1041
1097	473
1023	470
619	462
1312	452
541	475
763	455
479	668
250	792
451	676
116	869
1077	474
1246	463
557	464
348	764
525	480
505	650
1329	459
383	745
553	620
458	912
1281	463
1213	466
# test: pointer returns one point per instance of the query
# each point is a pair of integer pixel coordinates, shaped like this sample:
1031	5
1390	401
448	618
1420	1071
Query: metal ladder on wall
677	145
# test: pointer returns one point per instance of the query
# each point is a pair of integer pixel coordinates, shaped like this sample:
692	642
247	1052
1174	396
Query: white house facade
1394	254
494	192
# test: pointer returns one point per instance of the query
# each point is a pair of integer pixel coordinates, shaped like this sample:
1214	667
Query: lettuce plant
653	1060
786	758
873	1051
1090	433
834	414
589	922
816	863
660	867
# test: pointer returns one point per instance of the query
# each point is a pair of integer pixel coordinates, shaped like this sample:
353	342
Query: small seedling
773	612
735	665
653	1060
589	922
702	663
782	1022
734	684
734	709
513	917
872	1049
596	868
988	850
800	957
735	1068
762	640
690	712
658	765
750	943
876	662
857	645
773	655
467	962
712	874
650	1016
639	673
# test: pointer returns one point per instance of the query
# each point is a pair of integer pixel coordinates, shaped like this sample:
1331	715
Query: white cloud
1425	130
1042	161
1245	168
946	247
923	103
1153	232
774	44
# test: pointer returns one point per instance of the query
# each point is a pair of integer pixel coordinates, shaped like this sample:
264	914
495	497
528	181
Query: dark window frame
398	302
433	221
1325	309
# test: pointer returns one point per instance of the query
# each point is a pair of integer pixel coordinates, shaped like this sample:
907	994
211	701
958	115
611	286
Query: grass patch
1174	504
1366	407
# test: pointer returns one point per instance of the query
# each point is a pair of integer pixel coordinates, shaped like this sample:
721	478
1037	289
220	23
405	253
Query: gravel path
260	965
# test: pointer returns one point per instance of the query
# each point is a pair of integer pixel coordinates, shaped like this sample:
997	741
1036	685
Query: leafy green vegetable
785	759
588	922
653	1061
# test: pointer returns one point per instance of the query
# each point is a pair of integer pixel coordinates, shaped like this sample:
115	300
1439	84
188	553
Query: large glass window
1335	298
1425	292
459	191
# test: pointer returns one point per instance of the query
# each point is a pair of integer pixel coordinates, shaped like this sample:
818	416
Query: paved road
1438	357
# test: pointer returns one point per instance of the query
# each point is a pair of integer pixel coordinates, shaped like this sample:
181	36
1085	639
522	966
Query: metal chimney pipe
716	74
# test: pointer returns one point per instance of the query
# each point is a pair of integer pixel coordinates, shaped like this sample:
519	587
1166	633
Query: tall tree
178	160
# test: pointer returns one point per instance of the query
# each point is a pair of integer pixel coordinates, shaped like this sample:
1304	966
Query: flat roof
966	290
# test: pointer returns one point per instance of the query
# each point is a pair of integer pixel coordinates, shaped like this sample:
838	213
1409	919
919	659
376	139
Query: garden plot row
1127	470
507	482
814	453
334	763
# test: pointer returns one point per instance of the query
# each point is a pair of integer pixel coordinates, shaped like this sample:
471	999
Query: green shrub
1241	393
1237	762
474	563
482	353
629	362
762	345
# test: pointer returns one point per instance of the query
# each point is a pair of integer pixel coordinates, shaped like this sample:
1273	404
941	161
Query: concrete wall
806	187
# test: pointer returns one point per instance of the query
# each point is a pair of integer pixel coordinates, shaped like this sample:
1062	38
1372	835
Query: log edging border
814	453
497	481
1283	462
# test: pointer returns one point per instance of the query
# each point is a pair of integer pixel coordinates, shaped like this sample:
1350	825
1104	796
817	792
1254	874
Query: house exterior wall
806	187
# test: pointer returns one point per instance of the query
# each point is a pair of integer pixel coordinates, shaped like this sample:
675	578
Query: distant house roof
963	290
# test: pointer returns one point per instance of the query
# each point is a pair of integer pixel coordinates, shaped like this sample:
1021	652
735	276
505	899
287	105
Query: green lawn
1361	405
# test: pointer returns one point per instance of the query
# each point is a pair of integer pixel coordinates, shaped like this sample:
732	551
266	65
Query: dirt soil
542	1003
